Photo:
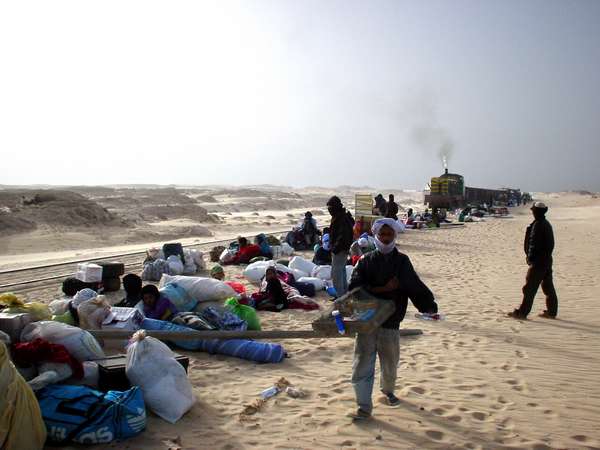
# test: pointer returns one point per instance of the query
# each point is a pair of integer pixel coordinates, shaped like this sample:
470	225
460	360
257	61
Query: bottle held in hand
339	321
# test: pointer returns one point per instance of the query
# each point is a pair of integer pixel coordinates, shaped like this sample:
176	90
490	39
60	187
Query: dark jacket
539	242
375	269
340	234
392	210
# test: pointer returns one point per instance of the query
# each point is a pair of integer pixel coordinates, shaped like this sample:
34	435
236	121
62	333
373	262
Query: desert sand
477	380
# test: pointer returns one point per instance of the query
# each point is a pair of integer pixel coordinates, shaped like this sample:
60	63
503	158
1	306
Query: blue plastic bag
86	416
179	297
262	352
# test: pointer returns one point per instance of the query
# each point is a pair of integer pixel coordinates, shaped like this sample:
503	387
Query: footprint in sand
521	354
418	390
480	416
435	435
580	438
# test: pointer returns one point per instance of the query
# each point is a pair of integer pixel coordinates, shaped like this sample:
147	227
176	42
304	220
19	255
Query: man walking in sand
387	274
340	238
539	244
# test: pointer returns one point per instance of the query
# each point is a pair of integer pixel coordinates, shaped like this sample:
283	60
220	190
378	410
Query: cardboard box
13	323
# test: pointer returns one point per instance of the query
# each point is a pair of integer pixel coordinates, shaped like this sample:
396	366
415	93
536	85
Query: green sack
64	318
244	312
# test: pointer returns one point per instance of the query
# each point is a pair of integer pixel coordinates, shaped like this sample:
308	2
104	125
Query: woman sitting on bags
275	295
156	306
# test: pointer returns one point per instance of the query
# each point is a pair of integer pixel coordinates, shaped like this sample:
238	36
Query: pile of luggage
172	259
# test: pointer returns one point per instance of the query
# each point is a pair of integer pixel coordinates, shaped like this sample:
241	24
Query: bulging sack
316	282
38	311
197	256
179	297
227	256
175	265
244	312
200	288
79	343
58	307
298	262
322	272
21	424
93	312
256	271
151	365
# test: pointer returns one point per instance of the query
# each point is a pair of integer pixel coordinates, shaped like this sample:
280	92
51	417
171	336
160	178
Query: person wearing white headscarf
82	296
387	274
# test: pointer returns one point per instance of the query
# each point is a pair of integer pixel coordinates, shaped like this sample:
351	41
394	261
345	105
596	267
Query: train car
446	191
449	191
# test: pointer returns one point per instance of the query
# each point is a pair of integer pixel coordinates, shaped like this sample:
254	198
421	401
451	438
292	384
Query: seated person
364	244
323	250
133	291
265	248
156	306
72	286
217	272
309	229
246	252
275	295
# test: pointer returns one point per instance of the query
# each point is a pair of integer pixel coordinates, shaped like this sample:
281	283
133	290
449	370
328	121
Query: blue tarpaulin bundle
263	352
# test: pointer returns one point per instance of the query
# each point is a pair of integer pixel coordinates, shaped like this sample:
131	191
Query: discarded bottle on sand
339	321
269	392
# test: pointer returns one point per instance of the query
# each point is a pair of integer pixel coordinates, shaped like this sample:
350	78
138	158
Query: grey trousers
385	343
338	272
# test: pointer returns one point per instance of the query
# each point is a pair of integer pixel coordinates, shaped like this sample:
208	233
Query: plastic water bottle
269	392
339	321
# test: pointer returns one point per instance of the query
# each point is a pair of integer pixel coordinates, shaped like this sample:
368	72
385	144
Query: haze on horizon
301	93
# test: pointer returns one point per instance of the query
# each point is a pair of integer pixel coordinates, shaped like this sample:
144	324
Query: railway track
40	277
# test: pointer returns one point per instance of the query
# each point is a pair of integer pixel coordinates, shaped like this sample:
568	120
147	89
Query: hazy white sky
300	92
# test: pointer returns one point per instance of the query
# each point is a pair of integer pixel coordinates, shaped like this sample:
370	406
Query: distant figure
538	246
341	239
380	206
246	252
309	229
263	244
435	218
391	211
323	250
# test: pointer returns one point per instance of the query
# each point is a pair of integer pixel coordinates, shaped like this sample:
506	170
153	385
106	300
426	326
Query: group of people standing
385	208
387	273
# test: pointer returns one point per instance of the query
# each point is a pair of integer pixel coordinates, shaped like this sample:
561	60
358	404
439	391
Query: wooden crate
352	305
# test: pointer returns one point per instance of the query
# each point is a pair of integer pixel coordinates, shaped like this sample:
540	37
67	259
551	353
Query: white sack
304	265
200	288
152	366
79	343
